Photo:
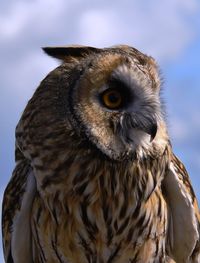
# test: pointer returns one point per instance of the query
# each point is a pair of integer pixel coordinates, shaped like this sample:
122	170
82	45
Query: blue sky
169	30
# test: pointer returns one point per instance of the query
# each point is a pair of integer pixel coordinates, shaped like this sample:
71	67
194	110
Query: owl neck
82	176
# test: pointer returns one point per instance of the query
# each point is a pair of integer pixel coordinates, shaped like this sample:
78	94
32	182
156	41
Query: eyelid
103	88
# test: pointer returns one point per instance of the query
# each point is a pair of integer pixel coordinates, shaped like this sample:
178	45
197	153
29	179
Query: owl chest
100	227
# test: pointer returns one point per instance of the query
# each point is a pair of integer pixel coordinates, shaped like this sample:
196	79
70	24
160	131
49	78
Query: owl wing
184	225
17	203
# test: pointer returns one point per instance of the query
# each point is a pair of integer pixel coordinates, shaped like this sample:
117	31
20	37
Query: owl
96	180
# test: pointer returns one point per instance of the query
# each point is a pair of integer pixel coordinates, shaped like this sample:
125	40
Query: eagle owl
96	180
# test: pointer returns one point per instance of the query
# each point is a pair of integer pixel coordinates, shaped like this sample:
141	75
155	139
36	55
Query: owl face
114	101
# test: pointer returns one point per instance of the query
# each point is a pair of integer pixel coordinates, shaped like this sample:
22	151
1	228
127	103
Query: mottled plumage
96	179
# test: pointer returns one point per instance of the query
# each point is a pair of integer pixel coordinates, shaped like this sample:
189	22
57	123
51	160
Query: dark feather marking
39	211
125	204
79	177
55	215
40	167
114	254
133	182
54	246
101	180
105	211
109	234
65	165
154	186
150	229
116	225
134	260
123	226
80	189
136	211
157	247
159	213
140	222
113	180
88	251
38	243
54	178
144	226
91	228
130	234
10	258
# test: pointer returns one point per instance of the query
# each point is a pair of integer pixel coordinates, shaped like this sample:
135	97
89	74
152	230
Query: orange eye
112	98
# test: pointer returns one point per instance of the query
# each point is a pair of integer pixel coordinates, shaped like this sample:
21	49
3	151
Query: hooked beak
151	130
145	124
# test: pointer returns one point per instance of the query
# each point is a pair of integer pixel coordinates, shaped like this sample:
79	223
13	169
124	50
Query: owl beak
149	125
151	130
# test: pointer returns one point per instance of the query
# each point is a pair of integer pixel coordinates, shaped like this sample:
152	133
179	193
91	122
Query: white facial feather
141	85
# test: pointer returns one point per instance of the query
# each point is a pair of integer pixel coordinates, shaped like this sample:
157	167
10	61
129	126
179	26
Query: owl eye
112	98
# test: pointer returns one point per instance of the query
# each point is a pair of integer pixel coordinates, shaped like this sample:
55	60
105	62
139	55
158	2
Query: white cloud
40	12
157	27
160	28
96	27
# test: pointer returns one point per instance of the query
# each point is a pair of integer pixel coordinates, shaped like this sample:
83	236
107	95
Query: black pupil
113	97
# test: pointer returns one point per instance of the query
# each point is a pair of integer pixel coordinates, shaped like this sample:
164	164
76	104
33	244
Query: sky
168	30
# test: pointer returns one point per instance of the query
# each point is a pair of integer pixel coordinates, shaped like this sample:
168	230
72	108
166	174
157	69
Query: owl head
108	97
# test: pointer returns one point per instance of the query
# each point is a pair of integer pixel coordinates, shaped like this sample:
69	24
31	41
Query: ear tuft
65	53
